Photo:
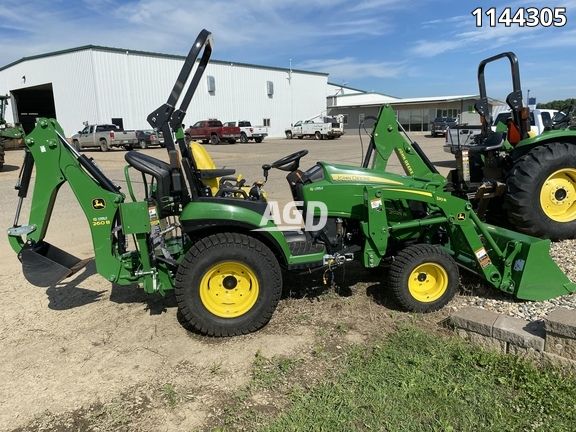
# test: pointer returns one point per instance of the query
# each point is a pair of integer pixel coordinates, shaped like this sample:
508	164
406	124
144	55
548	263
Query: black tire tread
403	263
520	201
198	249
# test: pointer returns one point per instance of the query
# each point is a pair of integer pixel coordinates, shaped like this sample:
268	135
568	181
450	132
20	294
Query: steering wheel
290	162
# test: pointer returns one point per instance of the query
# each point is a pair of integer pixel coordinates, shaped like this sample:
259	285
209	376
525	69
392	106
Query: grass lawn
415	381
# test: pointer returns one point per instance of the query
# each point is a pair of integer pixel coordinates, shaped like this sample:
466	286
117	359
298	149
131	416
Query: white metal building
97	84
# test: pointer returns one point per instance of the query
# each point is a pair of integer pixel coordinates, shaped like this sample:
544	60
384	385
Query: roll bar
514	99
168	119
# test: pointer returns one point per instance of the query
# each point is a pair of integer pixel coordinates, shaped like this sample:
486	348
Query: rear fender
567	136
210	217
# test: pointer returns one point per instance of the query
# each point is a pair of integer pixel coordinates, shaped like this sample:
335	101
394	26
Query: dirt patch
89	357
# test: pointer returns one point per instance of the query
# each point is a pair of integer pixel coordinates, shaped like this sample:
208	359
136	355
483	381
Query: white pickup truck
539	118
104	136
249	132
463	134
328	130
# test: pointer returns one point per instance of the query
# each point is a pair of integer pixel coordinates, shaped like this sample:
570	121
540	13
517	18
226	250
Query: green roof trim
150	54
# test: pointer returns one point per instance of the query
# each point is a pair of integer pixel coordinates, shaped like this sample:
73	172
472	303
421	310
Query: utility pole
291	95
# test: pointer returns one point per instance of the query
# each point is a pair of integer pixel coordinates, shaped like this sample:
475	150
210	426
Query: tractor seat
158	169
220	182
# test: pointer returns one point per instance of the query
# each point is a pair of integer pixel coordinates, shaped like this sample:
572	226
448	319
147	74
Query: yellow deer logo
98	203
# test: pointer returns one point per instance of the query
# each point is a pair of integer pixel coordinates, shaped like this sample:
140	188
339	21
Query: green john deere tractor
6	132
205	234
528	181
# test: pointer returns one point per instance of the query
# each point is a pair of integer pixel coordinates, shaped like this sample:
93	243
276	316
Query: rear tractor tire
228	284
541	198
423	278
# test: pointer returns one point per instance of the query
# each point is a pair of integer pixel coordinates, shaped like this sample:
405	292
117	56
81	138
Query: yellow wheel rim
558	195
229	289
428	282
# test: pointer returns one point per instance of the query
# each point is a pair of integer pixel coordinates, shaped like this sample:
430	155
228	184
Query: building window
269	88
211	83
266	122
447	112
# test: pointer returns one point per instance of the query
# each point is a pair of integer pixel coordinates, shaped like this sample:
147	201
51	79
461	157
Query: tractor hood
339	174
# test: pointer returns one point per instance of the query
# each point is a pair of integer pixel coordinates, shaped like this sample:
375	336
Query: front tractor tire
423	278
228	284
541	198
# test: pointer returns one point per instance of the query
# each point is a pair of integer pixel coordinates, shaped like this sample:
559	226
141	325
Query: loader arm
387	139
512	262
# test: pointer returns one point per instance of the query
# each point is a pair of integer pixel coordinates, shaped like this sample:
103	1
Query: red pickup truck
213	131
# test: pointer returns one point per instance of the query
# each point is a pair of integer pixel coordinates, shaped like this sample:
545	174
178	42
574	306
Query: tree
557	104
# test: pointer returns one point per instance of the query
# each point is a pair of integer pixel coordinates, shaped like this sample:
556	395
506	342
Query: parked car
149	137
212	131
105	136
441	124
249	132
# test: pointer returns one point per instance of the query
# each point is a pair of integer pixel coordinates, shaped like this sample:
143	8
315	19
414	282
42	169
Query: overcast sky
404	48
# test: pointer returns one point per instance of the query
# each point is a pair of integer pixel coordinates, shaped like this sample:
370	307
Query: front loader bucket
535	274
45	265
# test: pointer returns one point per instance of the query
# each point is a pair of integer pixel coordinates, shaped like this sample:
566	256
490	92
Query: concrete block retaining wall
553	340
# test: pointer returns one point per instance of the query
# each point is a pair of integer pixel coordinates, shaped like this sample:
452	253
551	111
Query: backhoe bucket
45	265
535	274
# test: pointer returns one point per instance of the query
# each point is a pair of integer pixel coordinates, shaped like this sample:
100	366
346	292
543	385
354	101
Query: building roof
370	99
347	87
151	54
